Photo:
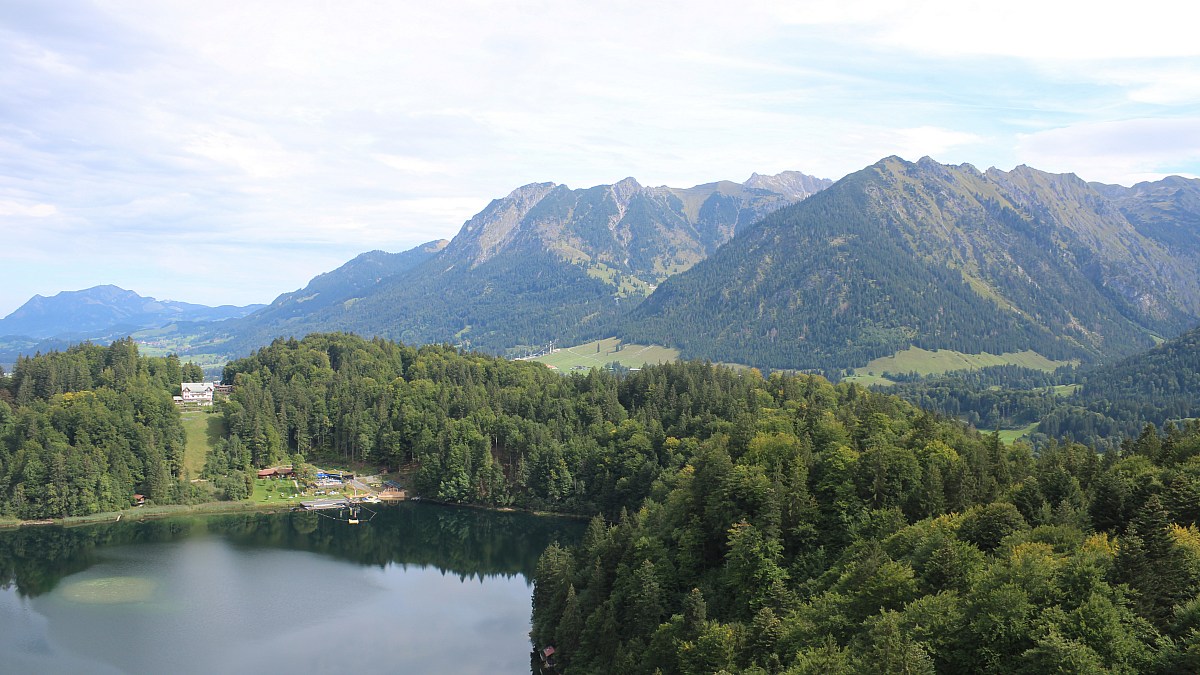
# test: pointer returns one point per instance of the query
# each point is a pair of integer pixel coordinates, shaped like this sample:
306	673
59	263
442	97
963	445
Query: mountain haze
103	311
902	254
1167	211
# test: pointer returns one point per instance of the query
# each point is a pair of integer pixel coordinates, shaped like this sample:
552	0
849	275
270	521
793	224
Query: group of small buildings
327	479
201	393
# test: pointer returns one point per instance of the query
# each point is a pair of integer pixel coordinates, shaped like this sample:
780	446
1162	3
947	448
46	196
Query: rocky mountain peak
791	184
488	230
528	195
624	190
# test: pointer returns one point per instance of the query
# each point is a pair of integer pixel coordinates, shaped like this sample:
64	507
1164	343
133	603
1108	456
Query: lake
418	589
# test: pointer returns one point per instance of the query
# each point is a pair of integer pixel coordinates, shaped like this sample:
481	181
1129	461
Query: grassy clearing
167	510
170	340
278	490
1009	436
203	431
869	379
1063	390
600	353
925	362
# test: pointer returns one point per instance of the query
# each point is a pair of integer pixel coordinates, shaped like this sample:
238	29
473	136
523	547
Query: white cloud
1158	85
258	156
11	208
929	140
243	131
1121	151
412	164
1026	29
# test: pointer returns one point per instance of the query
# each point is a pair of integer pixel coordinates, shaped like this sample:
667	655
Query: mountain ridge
923	254
541	263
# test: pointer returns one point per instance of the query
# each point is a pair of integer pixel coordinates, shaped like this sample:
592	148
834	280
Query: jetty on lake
338	502
323	504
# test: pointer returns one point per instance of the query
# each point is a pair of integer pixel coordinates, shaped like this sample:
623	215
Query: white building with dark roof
196	392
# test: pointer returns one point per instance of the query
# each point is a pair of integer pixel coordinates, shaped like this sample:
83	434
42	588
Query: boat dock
338	503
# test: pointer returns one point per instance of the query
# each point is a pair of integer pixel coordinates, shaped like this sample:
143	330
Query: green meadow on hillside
600	353
203	430
926	362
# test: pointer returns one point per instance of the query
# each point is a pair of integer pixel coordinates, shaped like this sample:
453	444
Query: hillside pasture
600	353
203	431
1009	436
938	361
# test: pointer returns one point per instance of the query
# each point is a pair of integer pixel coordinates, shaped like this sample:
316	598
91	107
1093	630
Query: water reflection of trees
469	543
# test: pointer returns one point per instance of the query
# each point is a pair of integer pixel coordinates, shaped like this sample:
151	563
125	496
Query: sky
224	152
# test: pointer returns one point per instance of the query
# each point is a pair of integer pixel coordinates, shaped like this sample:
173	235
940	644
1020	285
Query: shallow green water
419	589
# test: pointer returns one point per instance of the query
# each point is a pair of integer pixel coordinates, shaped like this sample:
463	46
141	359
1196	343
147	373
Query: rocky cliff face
625	234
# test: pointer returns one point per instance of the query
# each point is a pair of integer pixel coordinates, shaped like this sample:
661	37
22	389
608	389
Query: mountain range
923	254
784	271
101	312
546	262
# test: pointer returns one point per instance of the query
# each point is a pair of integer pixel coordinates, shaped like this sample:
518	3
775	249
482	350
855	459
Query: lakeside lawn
280	490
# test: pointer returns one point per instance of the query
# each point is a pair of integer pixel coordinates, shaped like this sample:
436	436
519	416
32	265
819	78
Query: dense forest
481	429
83	430
1005	397
851	533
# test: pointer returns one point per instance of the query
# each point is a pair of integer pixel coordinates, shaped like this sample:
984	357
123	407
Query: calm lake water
419	589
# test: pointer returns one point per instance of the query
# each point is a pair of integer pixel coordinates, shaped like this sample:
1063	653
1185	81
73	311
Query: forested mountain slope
936	256
1156	387
546	262
308	309
1167	377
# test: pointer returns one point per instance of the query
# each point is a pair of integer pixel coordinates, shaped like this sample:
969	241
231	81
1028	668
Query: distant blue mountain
102	311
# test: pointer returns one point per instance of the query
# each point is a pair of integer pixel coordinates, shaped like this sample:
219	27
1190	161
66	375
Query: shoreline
501	509
148	513
220	508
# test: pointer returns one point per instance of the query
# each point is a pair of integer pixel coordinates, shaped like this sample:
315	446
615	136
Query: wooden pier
323	504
